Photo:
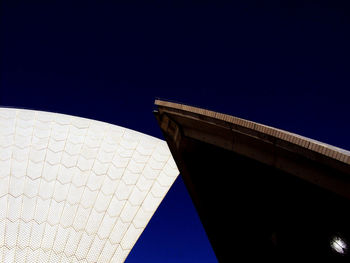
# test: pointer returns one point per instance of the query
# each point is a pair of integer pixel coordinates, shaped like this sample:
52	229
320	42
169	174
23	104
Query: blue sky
281	63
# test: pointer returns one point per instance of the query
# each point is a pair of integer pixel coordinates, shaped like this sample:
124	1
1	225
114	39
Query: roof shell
283	194
74	189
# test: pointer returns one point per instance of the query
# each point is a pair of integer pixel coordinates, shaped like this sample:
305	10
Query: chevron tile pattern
74	189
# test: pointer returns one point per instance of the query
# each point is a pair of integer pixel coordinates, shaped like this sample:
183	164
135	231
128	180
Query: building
80	190
74	189
261	193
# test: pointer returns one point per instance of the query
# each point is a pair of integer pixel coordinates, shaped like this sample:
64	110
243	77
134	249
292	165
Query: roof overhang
202	141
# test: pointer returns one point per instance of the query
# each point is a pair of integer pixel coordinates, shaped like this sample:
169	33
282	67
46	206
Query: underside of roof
261	192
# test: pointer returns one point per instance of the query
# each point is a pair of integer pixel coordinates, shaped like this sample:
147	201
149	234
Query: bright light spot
339	245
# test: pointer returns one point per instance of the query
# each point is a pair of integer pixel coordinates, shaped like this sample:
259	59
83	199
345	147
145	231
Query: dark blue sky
282	63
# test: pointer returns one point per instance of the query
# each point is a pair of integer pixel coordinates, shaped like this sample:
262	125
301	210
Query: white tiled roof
74	189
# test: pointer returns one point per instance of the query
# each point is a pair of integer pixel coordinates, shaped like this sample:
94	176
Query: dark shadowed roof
271	192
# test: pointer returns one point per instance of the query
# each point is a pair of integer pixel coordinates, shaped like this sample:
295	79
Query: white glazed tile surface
74	189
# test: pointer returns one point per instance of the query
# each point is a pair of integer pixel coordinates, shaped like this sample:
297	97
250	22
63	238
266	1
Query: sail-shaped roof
74	189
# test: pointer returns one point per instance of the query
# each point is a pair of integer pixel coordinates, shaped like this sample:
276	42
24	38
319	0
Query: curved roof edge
304	142
313	161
